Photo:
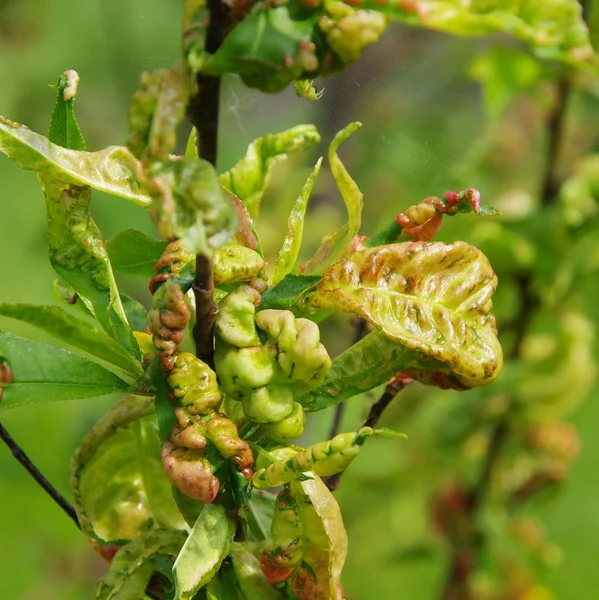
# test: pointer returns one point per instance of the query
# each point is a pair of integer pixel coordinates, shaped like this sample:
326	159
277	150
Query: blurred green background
429	126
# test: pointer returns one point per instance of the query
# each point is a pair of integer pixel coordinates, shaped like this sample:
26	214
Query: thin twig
25	461
398	383
203	112
361	327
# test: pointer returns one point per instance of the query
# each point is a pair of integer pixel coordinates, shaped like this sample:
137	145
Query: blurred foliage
439	113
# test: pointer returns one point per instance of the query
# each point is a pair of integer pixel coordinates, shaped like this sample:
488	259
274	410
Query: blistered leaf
295	228
288	291
268	49
205	549
132	566
117	479
113	170
554	28
80	333
252	581
249	177
433	298
333	245
135	253
190	204
64	130
44	373
234	263
78	255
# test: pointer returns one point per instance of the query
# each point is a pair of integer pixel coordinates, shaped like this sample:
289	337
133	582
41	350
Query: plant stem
25	461
398	383
203	112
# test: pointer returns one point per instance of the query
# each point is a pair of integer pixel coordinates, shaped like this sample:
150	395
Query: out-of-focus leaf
261	510
190	204
78	255
206	547
113	170
249	177
80	333
136	313
288	291
268	50
64	130
117	478
504	73
554	28
131	568
295	228
252	581
433	298
135	253
333	245
44	373
223	586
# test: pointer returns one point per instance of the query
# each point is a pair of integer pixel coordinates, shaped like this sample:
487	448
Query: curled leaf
234	263
117	479
252	581
432	298
113	170
249	177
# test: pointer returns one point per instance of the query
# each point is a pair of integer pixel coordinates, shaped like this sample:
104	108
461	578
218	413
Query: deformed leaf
44	373
249	177
78	255
252	581
555	29
113	170
132	566
334	244
431	297
77	332
117	479
134	253
206	547
64	129
295	228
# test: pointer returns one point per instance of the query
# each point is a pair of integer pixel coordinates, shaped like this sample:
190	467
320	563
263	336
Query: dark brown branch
398	383
25	461
203	112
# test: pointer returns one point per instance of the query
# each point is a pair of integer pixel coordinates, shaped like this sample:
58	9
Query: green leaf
335	244
434	298
261	510
132	566
117	479
295	227
64	130
555	29
78	255
288	291
268	50
80	333
223	586
135	253
113	170
249	177
205	549
136	313
252	581
44	373
190	204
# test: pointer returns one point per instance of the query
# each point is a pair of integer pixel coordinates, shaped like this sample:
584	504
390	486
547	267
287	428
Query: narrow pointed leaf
78	255
433	298
64	130
44	373
334	245
206	547
295	228
134	253
77	332
132	566
113	170
249	177
117	479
